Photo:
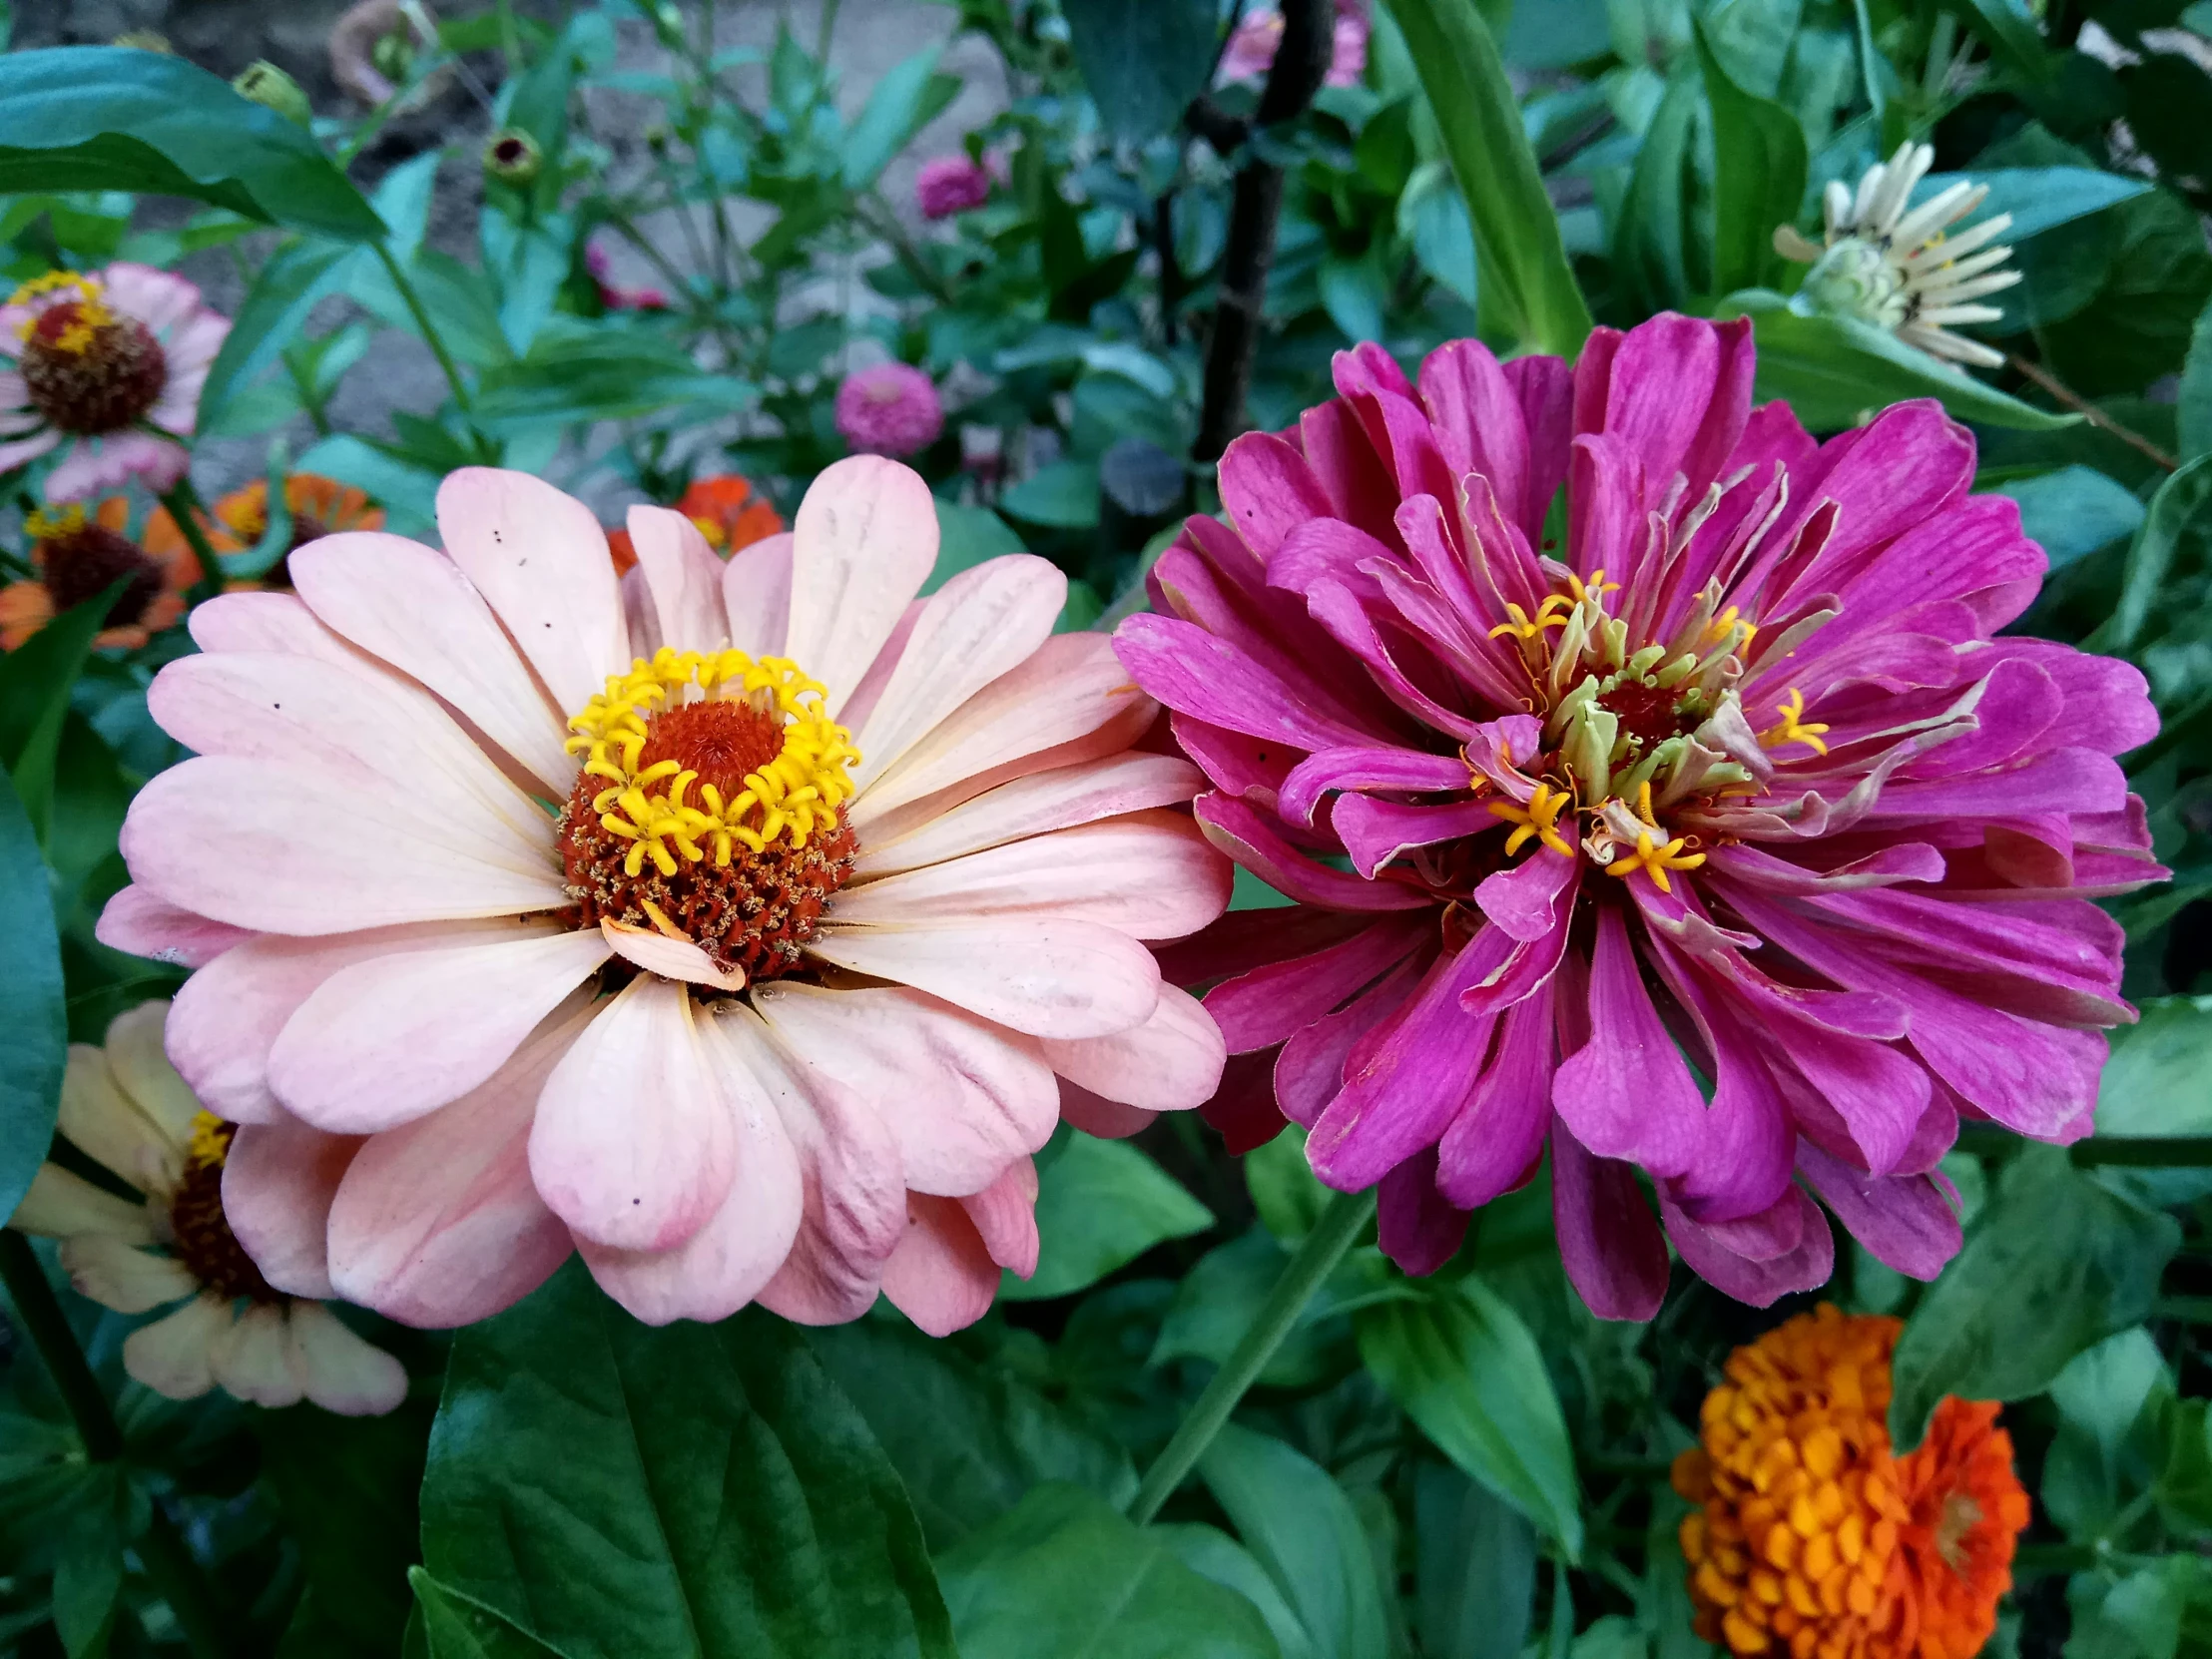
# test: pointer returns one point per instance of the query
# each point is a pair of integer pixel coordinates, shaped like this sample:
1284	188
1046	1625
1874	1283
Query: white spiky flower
1897	270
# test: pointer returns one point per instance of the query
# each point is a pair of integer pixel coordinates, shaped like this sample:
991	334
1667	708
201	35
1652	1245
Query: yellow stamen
1789	728
1598	586
93	313
211	1140
1539	819
1551	613
1655	861
43	525
792	795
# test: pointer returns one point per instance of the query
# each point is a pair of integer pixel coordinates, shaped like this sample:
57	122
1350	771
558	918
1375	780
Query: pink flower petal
1170	1063
1005	1214
970	1097
979	625
437	1223
941	1276
268	622
137	922
744	1244
1046	800
21	451
1108	1120
277	1184
386	1040
670	959
1050	978
684	577
756	593
1612	1249
399	600
864	542
633	1144
304	852
1150	875
540	560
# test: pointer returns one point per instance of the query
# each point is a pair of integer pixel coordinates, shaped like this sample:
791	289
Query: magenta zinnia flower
890	409
948	185
1693	822
106	367
538	910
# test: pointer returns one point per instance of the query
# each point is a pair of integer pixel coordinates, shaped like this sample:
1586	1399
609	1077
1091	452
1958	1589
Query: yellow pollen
1655	861
1728	624
1789	728
1539	819
210	1145
43	525
92	310
653	808
1597	587
716	537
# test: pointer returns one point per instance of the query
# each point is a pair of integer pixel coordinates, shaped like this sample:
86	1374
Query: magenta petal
1612	1249
1904	1221
1760	1283
1626	1093
1765	1235
1195	673
1264	1007
1377	831
1493	1142
1268	490
1366	768
1416	1227
1252	841
1523	899
1309	1070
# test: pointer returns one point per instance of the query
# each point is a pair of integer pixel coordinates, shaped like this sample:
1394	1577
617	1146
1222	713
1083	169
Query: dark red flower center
80	560
203	1238
89	371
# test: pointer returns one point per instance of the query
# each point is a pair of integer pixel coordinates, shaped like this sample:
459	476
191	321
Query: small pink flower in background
950	184
614	297
745	925
1737	776
125	1107
890	409
1250	51
105	368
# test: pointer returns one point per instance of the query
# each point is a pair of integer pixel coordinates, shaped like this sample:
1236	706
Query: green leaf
2012	35
1066	1574
2093	1460
1299	1526
84	118
1759	176
2196	390
285	291
1465	1367
32	1010
1653	240
1217	1300
1144	63
2054	1264
968	1443
1835	369
347	1489
455	1627
967	536
1475	1572
694	1492
1284	1188
1100	1205
602	377
1063	494
88	1565
2074	511
908	97
1525	283
2159	1078
1432	215
1215	1554
1353	292
2039	199
35	682
2138	326
2176	506
1752	40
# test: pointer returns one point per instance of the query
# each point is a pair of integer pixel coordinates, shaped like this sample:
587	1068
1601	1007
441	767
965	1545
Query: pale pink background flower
397	1000
890	409
611	295
1250	51
948	185
185	335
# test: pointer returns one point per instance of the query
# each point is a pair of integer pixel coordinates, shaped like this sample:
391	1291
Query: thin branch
2090	413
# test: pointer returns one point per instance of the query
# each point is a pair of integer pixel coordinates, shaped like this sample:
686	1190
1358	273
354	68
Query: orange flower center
200	1236
89	371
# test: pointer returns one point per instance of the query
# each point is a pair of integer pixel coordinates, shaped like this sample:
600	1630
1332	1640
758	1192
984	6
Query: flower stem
183	502
431	338
2090	413
1317	1258
167	1559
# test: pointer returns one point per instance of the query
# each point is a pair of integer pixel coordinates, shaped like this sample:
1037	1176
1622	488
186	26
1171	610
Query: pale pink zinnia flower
1656	788
107	366
890	409
613	295
124	1108
728	923
1250	51
948	185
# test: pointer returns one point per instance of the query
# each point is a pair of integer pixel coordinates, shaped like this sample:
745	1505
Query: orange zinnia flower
1815	1538
726	511
320	507
76	557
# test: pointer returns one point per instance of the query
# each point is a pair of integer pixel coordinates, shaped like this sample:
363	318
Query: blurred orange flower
76	556
320	507
1814	1540
725	509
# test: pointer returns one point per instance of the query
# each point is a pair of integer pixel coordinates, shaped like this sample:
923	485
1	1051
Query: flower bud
513	157
144	40
266	85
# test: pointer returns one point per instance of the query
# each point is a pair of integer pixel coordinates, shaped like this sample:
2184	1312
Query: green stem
431	338
167	1558
2146	1151
183	502
1317	1258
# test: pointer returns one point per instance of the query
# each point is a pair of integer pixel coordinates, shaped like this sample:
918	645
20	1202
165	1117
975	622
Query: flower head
890	409
106	367
740	957
1812	1537
319	506
1896	269
78	555
1250	51
262	83
124	1108
722	509
1696	822
513	157
613	296
948	185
